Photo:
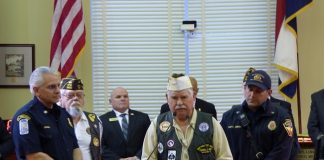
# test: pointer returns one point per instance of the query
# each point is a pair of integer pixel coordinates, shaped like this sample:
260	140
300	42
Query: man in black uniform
41	129
284	105
200	105
258	128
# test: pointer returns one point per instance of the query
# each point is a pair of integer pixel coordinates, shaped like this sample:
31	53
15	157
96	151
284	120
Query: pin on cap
247	73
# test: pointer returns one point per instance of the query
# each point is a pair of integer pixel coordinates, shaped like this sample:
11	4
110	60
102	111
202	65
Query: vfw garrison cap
71	84
179	83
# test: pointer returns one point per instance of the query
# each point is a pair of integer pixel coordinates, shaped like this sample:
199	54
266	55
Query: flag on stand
286	57
68	36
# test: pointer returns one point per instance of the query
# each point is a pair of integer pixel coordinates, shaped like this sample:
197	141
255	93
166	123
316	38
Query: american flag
286	57
68	36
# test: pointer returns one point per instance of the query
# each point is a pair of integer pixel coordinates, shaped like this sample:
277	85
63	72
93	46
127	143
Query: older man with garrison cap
184	133
87	126
200	104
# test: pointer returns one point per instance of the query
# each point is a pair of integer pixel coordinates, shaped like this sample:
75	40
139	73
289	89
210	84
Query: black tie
124	125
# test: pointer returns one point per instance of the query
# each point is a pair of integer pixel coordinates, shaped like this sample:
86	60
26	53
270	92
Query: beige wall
311	55
29	21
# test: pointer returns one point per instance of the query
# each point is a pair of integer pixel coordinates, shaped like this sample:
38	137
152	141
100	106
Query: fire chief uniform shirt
38	129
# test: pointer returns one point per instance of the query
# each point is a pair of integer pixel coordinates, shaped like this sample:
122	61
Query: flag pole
298	102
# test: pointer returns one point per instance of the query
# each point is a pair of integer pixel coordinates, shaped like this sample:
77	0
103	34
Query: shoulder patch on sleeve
289	127
23	116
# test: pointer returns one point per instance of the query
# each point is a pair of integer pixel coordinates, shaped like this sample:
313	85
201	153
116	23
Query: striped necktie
124	125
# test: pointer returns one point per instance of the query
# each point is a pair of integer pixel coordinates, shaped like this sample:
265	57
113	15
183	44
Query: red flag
68	36
286	58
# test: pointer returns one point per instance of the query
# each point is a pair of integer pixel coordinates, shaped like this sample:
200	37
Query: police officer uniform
39	129
270	128
265	133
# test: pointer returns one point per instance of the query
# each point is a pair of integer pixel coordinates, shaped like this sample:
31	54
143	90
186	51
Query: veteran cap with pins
71	84
247	73
260	79
178	83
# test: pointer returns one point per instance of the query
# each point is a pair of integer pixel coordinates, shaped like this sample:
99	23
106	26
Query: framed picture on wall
17	61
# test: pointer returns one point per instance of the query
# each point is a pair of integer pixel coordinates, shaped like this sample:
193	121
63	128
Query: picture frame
17	62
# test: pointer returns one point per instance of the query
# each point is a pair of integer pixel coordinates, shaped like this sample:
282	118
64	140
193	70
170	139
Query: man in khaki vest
183	132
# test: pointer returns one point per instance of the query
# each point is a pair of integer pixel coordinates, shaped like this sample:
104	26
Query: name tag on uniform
46	127
113	119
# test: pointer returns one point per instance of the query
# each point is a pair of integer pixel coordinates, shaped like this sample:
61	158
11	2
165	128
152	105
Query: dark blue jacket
287	107
38	129
270	127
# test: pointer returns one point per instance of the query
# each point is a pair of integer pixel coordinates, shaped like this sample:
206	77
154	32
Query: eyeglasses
72	95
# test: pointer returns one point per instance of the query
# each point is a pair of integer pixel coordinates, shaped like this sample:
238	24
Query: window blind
137	44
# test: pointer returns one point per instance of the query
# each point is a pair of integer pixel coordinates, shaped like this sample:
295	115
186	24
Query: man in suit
316	122
200	105
123	128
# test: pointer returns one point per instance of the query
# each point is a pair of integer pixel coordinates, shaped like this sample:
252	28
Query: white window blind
137	44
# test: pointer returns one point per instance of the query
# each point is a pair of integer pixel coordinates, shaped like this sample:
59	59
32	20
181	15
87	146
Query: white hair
36	78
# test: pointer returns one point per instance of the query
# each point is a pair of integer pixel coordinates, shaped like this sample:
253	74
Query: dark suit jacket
114	146
316	117
287	107
200	105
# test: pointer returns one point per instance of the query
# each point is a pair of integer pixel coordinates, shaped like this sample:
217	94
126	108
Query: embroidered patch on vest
170	143
160	147
92	117
203	127
165	126
172	154
95	141
205	148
